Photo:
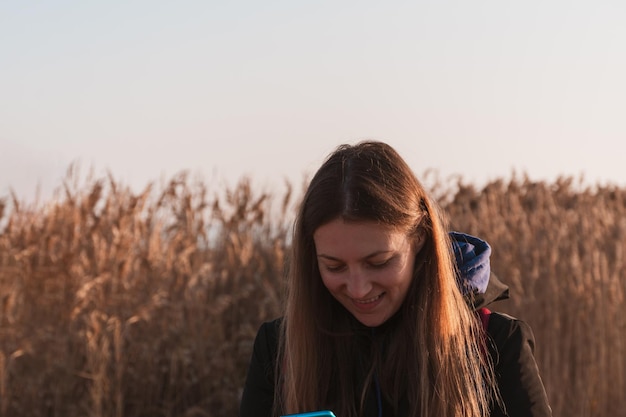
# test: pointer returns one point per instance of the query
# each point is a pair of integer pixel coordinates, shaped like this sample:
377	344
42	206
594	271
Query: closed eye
378	265
334	268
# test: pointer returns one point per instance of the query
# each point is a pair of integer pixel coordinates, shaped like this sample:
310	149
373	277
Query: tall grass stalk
121	303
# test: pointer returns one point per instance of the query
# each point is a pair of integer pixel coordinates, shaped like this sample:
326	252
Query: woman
375	324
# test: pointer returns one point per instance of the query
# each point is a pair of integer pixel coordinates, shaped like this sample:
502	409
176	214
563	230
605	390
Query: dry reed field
120	303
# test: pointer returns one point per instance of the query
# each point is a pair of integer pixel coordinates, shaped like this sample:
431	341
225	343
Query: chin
371	321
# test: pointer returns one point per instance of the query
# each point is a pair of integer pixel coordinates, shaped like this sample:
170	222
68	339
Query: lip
367	304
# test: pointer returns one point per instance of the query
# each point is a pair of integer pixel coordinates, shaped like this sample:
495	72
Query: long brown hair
431	356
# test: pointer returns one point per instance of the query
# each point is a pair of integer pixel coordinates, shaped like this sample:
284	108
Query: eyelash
379	265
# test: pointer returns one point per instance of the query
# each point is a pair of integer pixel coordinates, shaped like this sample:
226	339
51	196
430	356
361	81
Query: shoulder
266	341
270	328
506	328
511	345
265	352
510	341
258	393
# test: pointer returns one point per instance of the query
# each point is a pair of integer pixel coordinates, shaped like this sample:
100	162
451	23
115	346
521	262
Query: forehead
357	238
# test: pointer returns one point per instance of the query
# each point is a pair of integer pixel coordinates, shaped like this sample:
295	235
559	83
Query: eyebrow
371	255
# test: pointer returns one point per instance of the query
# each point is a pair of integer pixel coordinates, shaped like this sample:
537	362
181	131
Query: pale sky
146	89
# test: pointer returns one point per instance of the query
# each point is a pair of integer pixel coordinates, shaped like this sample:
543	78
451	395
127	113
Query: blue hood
472	259
479	285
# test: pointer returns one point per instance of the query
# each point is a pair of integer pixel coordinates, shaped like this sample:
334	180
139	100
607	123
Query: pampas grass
118	303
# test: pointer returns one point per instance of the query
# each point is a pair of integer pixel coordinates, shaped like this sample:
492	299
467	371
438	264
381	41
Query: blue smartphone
322	413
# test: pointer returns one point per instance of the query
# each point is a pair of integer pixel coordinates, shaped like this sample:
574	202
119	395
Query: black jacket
510	343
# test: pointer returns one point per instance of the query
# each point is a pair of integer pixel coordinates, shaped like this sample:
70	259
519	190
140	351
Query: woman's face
366	266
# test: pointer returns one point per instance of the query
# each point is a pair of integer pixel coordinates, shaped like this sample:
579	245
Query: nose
358	285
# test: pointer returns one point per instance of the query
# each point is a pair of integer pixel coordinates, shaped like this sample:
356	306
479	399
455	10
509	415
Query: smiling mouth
369	300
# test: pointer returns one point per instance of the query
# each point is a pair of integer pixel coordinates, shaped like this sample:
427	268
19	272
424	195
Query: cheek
329	282
405	276
398	282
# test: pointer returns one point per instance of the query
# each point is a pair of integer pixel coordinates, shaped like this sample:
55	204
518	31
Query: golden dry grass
116	303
